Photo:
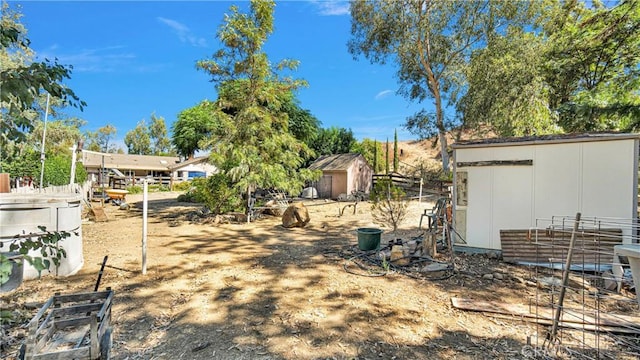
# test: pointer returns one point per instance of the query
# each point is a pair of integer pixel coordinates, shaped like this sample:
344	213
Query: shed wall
338	182
359	176
596	178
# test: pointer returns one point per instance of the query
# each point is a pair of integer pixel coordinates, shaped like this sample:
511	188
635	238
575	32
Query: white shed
509	183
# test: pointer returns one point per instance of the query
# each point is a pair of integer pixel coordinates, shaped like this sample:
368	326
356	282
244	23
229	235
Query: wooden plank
622	323
45	323
62	324
106	306
568	325
87	296
79	353
530	246
41	312
77	309
528	162
94	337
46	337
98	214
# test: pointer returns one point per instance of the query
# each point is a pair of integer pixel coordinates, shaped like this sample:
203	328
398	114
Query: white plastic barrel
21	214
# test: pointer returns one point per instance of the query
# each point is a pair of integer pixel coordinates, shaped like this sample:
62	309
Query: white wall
183	173
597	179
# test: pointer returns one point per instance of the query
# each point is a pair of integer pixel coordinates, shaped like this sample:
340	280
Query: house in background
127	165
192	168
502	184
342	174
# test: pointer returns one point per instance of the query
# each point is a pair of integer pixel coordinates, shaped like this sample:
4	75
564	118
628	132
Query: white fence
83	189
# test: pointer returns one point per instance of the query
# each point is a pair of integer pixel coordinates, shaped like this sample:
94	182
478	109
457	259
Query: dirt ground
260	291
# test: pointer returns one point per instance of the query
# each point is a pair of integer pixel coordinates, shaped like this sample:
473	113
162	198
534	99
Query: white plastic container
22	214
632	252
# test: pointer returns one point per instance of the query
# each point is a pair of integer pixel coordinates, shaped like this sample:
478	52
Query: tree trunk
248	204
442	132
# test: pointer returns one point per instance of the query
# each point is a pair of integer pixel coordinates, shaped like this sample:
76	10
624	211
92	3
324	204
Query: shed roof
195	160
337	162
92	159
544	139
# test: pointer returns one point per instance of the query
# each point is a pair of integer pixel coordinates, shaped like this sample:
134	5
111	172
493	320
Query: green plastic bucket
369	238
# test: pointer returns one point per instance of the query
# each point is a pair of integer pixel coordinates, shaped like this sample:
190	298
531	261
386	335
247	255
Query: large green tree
24	81
24	85
253	144
161	144
138	140
574	69
101	139
60	137
593	64
507	93
149	140
302	124
334	140
192	127
430	41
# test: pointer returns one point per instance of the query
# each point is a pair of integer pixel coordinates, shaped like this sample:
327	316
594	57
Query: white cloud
184	33
332	7
383	94
106	59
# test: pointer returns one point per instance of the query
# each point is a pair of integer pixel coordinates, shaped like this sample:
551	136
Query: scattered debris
576	319
97	214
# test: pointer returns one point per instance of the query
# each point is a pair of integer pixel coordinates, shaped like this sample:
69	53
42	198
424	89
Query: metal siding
475	154
512	200
608	175
609	182
497	195
557	175
479	207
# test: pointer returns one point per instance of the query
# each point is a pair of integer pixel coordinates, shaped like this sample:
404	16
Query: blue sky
132	59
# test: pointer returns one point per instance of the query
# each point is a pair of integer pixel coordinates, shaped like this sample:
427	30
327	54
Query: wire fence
585	302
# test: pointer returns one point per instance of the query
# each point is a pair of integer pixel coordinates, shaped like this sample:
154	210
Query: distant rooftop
545	139
335	162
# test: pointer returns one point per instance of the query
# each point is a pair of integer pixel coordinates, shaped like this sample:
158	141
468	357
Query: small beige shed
342	174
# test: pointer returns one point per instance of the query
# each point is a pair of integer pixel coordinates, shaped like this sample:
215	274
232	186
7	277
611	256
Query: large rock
296	215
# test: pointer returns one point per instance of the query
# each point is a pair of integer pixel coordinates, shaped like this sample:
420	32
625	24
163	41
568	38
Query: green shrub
57	169
389	204
184	198
182	186
135	189
216	192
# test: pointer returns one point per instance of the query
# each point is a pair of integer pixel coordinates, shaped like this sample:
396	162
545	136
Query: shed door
324	187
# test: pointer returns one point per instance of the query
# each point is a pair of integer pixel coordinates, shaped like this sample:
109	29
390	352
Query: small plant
182	186
389	204
47	245
385	264
135	189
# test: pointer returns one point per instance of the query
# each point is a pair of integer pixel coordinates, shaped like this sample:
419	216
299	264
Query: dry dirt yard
260	291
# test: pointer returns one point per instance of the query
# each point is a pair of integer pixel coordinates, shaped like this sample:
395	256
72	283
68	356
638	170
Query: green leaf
6	267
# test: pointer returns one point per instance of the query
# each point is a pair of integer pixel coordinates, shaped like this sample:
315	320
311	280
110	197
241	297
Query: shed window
461	188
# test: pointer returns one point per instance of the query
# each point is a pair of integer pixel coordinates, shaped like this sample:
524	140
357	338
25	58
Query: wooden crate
73	326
